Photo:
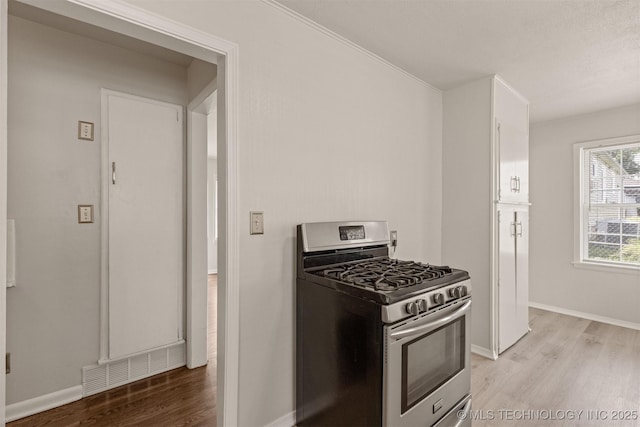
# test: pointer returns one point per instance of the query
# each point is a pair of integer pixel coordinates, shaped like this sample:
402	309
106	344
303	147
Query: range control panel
428	301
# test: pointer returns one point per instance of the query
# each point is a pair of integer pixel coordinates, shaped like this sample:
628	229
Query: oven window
431	360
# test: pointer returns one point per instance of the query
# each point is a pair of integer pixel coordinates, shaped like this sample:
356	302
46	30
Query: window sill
607	268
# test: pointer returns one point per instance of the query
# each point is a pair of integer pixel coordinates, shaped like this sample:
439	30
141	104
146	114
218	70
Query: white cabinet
511	143
485	191
512	148
513	277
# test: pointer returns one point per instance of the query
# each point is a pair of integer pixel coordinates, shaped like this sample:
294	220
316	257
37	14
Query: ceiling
567	57
69	25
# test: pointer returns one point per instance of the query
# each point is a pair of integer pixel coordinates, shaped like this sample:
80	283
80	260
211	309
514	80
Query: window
609	206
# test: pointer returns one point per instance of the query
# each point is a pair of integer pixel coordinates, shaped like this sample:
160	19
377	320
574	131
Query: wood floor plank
563	366
181	397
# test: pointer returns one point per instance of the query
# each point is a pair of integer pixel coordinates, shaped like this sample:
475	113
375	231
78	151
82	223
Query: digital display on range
351	232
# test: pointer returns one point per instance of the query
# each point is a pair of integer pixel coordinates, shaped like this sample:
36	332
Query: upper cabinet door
512	146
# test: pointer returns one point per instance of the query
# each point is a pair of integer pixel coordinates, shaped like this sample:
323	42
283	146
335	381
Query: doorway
212	234
153	29
203	136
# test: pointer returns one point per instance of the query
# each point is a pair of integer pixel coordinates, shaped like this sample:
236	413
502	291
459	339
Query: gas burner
385	274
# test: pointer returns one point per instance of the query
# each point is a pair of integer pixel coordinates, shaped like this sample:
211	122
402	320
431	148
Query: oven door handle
418	329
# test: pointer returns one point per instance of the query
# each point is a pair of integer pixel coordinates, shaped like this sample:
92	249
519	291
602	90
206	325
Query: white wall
212	176
325	133
553	279
467	200
212	242
55	80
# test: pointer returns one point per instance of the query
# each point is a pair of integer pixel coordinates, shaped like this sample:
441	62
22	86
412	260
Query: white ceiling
567	57
69	25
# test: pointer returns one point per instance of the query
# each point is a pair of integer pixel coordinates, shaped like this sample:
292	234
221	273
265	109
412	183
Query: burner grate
385	274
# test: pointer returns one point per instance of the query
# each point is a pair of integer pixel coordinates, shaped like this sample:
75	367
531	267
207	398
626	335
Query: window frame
581	206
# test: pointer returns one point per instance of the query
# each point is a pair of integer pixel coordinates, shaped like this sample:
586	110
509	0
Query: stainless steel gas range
379	342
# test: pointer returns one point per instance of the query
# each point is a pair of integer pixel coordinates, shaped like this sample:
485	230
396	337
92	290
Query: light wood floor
565	364
182	397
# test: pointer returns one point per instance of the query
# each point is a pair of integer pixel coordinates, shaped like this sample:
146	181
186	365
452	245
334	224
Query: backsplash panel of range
379	341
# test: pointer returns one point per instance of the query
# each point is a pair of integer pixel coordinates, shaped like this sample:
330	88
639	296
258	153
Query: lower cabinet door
513	271
522	271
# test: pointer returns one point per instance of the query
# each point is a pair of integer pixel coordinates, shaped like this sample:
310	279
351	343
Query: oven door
427	369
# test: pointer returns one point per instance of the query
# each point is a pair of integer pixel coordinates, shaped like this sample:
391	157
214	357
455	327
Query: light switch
257	223
85	214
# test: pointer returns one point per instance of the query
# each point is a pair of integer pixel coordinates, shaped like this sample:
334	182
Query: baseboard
108	374
287	420
38	404
484	352
588	316
213	271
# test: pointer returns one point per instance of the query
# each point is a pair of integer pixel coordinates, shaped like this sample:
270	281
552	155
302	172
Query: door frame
3	199
136	22
198	296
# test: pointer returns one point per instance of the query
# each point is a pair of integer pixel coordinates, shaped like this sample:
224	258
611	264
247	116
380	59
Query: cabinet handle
514	184
519	233
513	229
518	184
113	172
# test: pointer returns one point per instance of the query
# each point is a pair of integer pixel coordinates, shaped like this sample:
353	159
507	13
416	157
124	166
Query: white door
507	307
513	291
513	153
522	271
145	223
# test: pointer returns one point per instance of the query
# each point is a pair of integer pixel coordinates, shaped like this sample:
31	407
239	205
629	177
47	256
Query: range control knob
456	292
412	308
422	305
438	298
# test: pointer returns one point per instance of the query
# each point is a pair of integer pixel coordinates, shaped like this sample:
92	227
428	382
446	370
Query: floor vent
114	373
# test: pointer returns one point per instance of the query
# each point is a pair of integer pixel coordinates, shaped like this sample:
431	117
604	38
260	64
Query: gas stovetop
352	257
387	280
385	274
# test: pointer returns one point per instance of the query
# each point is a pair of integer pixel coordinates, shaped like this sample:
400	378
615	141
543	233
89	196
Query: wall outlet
393	236
85	131
85	214
257	223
